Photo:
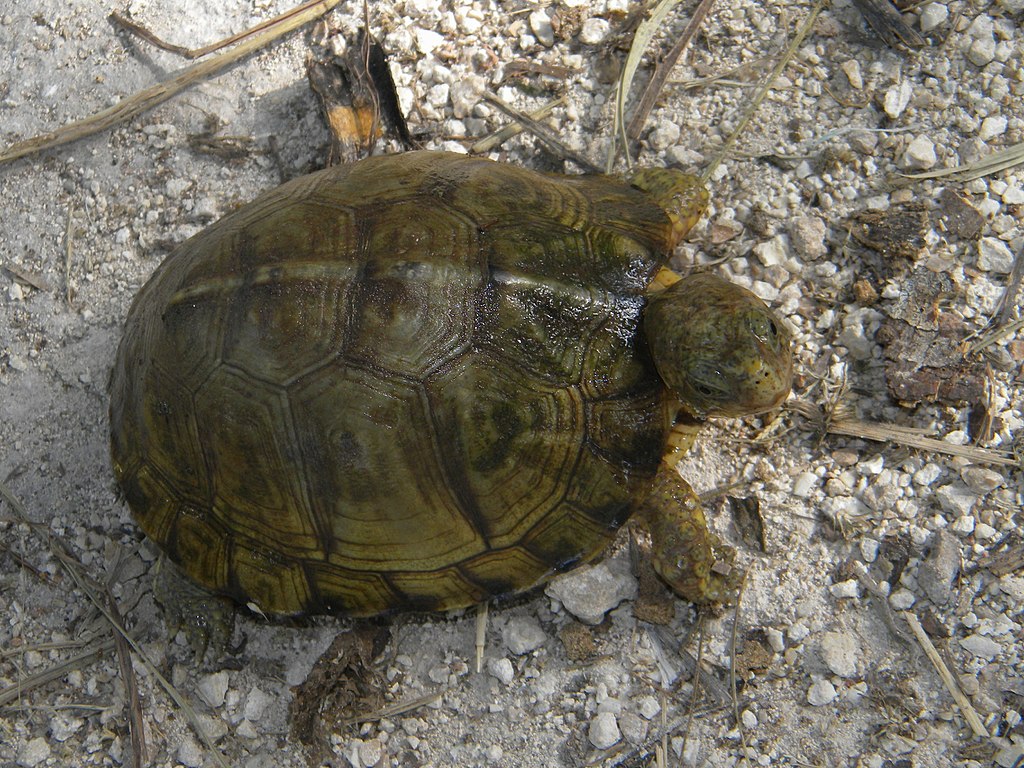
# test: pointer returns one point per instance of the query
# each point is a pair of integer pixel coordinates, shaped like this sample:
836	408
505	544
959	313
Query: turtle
424	380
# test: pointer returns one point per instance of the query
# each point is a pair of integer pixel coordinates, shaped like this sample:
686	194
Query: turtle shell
414	382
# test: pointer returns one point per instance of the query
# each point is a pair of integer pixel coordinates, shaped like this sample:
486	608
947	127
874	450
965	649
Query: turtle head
718	348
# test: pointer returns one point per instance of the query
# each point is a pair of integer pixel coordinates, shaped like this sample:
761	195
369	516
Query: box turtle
424	380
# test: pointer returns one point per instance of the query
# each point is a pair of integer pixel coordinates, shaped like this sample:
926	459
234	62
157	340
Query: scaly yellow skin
422	381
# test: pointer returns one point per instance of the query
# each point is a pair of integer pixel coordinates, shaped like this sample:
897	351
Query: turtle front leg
689	558
207	619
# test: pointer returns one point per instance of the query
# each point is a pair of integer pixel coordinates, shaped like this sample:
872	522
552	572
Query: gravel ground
859	535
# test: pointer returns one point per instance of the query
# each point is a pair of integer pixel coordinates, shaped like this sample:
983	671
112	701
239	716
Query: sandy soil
830	673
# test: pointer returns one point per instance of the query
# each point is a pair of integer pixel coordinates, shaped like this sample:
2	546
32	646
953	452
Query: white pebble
648	707
804	484
427	40
840	651
501	669
991	127
984	532
901	599
213	688
932	15
749	719
845	589
33	753
256	704
897	98
820	693
589	592
963	526
851	67
920	155
994	255
523	634
604	731
594	31
982	51
980	646
540	25
190	753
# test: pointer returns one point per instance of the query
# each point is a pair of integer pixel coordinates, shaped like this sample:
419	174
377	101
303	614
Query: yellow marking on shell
266	275
665	278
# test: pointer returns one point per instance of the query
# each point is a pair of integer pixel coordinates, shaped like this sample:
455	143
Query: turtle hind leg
207	619
689	558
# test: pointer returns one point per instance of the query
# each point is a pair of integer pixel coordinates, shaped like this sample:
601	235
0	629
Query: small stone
1010	757
963	526
804	484
1014	195
246	730
776	640
33	753
981	646
494	753
969	684
205	209
846	589
932	15
897	98
851	67
664	135
991	127
935	575
956	498
982	51
648	707
994	256
820	693
902	599
604	731
594	31
749	719
427	40
981	479
523	634
984	532
920	155
1012	586
190	753
840	652
807	236
633	727
540	25
371	752
773	252
590	591
63	726
502	670
213	688
927	474
256	704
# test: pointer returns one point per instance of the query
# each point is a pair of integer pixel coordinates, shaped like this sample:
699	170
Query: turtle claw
207	619
686	555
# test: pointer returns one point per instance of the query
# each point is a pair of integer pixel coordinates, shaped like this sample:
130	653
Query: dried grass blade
1002	160
150	97
664	69
641	39
947	677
